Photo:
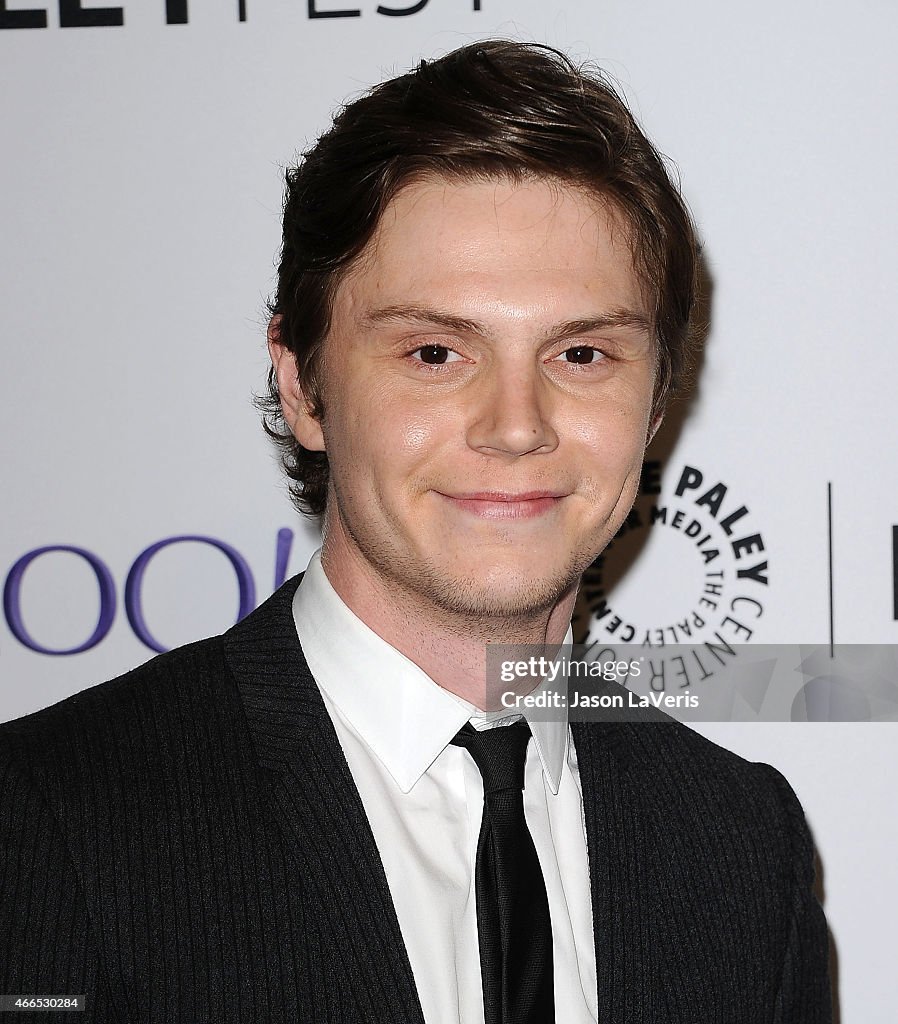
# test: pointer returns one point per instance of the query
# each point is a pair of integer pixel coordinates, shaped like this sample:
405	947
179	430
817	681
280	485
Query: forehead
535	237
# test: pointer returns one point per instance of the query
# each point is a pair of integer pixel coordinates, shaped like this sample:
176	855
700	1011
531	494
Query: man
483	301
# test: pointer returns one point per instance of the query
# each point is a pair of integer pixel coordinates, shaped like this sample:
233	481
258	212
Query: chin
500	592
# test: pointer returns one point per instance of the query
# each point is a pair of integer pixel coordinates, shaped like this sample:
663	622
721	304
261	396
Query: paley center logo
689	567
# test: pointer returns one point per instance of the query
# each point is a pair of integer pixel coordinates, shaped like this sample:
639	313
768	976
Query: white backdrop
140	196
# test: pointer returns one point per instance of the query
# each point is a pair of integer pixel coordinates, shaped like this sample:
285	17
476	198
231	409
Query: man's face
487	389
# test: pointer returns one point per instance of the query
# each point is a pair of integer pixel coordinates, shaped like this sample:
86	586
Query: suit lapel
624	896
319	813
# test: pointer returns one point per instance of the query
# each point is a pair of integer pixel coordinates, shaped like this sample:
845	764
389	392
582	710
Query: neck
451	648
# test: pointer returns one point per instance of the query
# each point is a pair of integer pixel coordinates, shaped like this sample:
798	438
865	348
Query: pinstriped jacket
186	844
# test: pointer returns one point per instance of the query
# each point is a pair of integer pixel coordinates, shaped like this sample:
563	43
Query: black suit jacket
186	843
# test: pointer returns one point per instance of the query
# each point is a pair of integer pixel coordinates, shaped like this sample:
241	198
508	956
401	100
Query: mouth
505	505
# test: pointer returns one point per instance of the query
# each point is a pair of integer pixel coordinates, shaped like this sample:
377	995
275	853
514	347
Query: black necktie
512	908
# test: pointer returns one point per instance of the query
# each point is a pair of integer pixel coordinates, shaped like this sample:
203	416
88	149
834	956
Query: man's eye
436	355
582	354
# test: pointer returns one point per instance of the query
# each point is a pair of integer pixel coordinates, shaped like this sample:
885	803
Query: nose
512	415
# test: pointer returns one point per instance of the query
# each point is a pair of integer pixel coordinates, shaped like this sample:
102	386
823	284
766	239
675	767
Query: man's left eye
582	354
436	355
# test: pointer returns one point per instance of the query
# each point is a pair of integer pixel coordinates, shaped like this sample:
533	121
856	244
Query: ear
295	407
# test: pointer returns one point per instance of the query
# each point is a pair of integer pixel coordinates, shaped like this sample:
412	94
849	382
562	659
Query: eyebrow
612	319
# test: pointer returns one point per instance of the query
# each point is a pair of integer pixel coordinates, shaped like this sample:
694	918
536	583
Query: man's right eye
435	355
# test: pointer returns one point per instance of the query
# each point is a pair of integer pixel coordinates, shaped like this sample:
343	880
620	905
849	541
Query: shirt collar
405	718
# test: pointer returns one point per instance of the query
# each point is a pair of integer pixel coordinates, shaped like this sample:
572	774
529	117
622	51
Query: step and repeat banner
140	191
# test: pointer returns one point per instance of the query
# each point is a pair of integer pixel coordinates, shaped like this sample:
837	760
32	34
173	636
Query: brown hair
491	109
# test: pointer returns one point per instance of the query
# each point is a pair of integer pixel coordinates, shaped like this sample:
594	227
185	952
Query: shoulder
689	785
177	722
668	748
694	762
136	718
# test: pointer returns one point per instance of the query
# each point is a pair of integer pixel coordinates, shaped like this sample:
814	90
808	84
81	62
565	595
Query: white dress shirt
424	799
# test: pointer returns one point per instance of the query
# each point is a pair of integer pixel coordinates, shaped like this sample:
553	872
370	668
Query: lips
506	505
508	496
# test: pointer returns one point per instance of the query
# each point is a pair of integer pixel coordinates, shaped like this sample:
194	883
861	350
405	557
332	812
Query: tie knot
499	753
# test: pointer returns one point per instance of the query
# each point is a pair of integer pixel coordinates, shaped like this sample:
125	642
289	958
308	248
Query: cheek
610	449
377	434
614	436
413	428
415	437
